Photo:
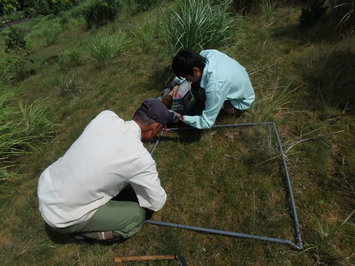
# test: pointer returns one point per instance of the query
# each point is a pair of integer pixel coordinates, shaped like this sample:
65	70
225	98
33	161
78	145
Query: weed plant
104	48
197	25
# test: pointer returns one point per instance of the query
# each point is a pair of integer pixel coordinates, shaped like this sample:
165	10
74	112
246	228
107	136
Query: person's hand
174	91
177	117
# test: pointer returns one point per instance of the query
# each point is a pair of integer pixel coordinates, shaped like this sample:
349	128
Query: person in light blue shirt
222	78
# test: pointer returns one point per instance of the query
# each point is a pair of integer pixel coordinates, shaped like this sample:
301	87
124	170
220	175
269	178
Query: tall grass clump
196	24
23	127
104	48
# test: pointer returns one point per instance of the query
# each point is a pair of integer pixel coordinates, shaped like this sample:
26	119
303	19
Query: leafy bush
311	12
196	24
98	13
14	67
103	49
15	39
244	6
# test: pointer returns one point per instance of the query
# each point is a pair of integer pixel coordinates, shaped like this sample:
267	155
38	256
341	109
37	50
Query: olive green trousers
115	219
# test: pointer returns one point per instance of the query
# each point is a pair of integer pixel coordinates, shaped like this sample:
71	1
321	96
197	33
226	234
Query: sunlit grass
196	25
229	179
104	48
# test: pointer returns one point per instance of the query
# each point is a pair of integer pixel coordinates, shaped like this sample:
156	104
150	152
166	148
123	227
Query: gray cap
157	111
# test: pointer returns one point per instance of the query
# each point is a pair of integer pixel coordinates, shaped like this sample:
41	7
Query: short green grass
229	179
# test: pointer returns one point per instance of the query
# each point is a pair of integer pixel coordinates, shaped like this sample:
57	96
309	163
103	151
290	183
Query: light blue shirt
223	78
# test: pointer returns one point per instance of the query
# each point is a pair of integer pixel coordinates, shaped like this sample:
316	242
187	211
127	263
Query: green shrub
98	13
244	6
15	39
311	12
14	67
103	49
196	24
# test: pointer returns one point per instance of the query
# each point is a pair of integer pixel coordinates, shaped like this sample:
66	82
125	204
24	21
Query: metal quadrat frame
298	243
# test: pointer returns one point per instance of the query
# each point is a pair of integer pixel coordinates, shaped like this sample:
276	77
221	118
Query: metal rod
290	191
221	232
156	144
298	245
221	126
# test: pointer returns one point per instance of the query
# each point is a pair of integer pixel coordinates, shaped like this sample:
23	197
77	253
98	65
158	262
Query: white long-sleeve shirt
100	163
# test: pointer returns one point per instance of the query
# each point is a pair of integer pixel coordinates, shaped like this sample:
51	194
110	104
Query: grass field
228	179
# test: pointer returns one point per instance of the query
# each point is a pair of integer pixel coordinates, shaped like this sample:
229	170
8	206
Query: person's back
105	155
232	77
81	192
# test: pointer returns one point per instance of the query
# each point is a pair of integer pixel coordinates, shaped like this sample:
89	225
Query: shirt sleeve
148	189
214	101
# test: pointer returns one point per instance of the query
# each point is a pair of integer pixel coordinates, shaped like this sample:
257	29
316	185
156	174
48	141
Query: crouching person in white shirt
77	192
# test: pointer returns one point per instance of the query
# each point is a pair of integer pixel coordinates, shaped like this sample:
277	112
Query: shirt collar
134	129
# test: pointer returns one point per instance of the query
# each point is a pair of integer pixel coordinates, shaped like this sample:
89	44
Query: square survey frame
298	243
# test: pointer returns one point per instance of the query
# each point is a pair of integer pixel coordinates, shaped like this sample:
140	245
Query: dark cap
157	111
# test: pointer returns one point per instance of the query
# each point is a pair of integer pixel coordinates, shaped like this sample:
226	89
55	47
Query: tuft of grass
323	246
23	127
72	57
68	84
145	34
197	25
268	7
104	48
50	34
272	101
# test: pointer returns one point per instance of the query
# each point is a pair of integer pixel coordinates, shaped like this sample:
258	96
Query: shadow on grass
320	32
62	239
331	78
